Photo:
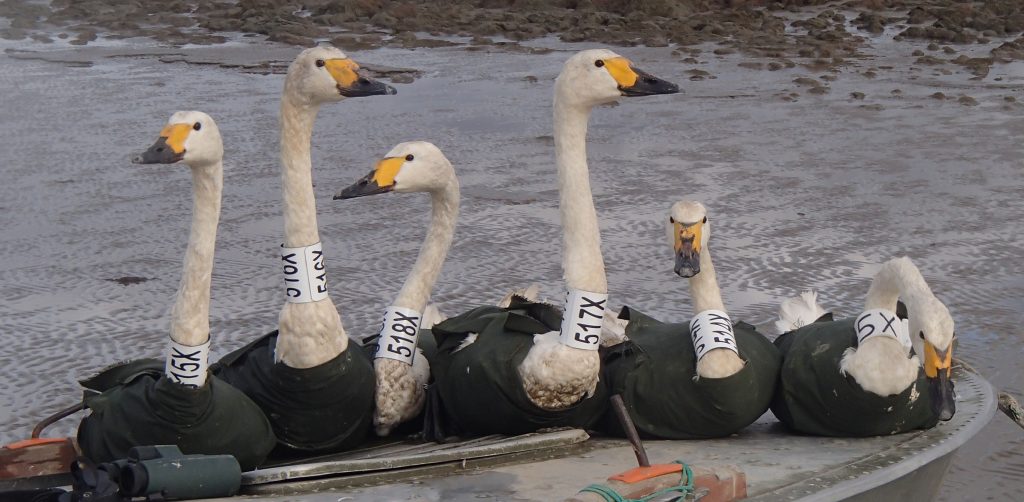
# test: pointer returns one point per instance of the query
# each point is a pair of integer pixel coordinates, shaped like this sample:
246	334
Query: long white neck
582	262
444	211
190	316
717	363
300	227
704	286
897	279
309	334
880	364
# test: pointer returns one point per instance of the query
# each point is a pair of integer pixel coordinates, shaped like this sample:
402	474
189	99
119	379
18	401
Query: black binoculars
164	472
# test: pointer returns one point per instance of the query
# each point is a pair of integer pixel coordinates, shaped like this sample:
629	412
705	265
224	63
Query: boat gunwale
948	442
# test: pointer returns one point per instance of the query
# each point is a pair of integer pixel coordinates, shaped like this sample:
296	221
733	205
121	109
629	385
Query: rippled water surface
812	193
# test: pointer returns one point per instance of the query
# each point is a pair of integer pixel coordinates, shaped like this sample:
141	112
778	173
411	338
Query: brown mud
772	29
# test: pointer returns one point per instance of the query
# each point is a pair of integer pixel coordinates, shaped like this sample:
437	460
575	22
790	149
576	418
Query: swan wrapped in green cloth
176	401
517	369
477	372
864	376
815	398
134	404
654	373
703	379
311	408
316	389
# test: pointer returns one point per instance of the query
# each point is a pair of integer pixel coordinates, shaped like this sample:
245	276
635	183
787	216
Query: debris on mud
762	28
129	280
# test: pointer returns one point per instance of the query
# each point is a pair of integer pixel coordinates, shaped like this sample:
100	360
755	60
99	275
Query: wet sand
812	173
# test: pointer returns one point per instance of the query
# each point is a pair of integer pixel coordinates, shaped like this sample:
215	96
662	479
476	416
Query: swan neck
895	280
582	262
444	212
300	225
704	286
190	316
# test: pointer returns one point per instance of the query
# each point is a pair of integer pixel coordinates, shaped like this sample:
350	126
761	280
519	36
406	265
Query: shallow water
811	193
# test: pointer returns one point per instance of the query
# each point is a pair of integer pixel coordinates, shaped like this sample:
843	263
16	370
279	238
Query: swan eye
921	334
599	63
197	126
320	63
409	157
705	220
671	219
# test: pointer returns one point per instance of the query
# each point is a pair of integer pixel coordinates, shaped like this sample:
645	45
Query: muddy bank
780	29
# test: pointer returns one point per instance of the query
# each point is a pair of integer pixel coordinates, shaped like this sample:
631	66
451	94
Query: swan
707	378
525	367
317	393
402	368
175	401
858	377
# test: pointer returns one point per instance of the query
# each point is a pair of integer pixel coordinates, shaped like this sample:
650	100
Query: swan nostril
159	150
364	81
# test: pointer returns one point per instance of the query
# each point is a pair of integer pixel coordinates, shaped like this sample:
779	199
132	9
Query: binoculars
164	472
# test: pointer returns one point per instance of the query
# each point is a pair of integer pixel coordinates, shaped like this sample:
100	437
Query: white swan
311	333
689	232
182	406
557	368
876	350
317	393
722	373
415	166
561	369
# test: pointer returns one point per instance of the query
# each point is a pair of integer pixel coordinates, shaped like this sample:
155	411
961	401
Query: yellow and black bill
380	180
169	147
687	247
352	82
636	82
938	365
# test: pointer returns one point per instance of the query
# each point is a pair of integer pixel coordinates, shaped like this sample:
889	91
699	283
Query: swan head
931	330
689	231
324	74
414	166
190	137
597	76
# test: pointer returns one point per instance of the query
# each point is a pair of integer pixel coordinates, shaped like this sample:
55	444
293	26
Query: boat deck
555	465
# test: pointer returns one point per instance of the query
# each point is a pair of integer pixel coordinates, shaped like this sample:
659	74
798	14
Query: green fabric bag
323	409
654	372
479	386
813	397
133	404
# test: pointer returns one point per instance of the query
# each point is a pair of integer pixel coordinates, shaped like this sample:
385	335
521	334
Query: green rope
683	489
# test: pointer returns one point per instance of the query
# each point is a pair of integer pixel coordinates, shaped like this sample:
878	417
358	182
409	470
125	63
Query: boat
763	462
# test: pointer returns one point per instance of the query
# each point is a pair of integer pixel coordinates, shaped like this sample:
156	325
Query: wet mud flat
813	174
778	30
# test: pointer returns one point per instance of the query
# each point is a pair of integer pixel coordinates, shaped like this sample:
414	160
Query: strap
683	489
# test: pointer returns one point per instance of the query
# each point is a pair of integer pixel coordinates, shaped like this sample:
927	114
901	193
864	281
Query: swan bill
937	367
351	83
687	247
160	153
169	147
380	180
635	82
367	87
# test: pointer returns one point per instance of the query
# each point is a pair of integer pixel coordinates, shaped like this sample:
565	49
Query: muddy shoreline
781	31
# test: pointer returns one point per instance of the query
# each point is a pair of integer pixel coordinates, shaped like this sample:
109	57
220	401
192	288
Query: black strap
94	483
